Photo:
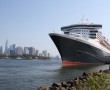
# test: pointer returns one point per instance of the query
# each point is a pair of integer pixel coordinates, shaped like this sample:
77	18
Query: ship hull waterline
74	52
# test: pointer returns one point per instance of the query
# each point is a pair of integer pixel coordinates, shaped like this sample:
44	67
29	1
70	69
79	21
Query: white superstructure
89	33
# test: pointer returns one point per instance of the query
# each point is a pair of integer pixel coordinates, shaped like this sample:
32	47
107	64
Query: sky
28	22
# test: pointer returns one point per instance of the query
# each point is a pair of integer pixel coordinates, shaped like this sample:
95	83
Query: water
31	74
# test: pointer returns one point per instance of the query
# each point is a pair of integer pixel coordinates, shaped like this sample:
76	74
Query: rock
81	78
76	82
68	85
53	88
69	89
109	72
84	77
100	71
43	88
109	67
73	88
76	78
84	80
106	71
85	74
64	84
71	82
61	88
56	84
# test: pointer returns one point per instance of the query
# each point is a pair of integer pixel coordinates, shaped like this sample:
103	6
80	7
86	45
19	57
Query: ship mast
82	20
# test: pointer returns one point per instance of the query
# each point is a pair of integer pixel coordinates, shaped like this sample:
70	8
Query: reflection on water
31	74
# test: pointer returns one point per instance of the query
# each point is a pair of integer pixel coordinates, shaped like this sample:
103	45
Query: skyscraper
11	50
44	53
6	47
37	52
1	50
31	51
19	50
26	51
12	47
48	54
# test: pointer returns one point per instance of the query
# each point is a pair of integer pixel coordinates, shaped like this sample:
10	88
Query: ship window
66	32
92	34
93	31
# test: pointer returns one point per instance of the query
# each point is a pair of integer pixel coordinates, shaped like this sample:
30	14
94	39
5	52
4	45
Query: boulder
68	85
56	84
85	74
61	88
71	82
43	88
64	84
53	88
73	88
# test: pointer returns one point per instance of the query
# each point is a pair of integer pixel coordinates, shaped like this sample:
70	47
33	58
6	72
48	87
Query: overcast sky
28	22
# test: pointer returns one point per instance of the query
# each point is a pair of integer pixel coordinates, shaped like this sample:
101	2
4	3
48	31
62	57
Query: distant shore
25	59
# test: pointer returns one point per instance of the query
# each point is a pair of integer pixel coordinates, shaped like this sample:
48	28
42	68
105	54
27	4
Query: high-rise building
40	54
19	50
34	51
37	52
31	50
6	47
14	46
15	50
26	51
12	50
1	50
44	53
48	54
8	51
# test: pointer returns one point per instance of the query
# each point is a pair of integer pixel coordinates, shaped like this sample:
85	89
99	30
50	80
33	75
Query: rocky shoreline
75	83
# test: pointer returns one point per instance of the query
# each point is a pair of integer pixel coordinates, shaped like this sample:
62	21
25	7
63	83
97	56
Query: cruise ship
82	44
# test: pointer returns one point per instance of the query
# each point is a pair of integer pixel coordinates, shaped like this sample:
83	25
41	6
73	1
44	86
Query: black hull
72	50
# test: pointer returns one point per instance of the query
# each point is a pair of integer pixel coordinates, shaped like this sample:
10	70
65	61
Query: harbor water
31	74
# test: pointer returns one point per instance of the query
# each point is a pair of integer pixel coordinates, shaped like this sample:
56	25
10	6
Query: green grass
95	81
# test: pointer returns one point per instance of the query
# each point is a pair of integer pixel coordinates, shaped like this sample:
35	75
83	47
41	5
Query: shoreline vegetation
94	80
24	57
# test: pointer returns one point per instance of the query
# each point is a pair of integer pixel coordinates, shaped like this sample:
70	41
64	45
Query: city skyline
19	50
28	23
